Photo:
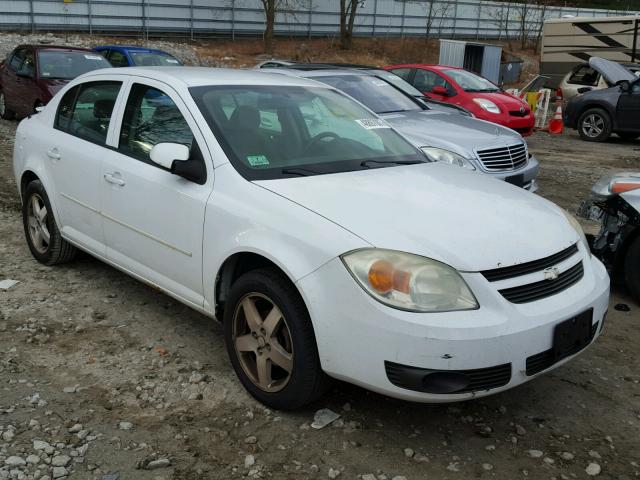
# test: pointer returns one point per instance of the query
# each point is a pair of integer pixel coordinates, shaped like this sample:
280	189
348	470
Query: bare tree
271	8
502	19
435	10
348	10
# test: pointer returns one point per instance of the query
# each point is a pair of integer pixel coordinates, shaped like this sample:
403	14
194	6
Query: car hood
612	72
458	133
466	220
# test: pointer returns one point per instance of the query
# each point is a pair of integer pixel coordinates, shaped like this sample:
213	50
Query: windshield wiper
303	172
392	111
368	163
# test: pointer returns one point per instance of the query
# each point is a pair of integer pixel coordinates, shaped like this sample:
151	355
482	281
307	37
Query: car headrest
103	108
245	117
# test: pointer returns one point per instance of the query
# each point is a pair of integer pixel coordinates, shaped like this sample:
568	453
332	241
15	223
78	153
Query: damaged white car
326	243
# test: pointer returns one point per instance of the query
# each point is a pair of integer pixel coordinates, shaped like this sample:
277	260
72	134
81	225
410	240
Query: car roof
132	48
201	76
323	72
424	65
39	46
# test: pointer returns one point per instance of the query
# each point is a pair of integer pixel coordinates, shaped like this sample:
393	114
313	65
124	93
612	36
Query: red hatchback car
32	74
473	92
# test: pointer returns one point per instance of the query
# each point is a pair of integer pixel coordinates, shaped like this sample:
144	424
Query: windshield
283	131
373	92
399	82
68	65
154	59
470	82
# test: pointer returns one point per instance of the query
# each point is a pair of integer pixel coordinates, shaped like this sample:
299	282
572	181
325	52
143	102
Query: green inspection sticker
257	160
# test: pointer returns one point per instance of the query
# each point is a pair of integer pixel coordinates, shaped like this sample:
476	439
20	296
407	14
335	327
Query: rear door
153	220
629	109
73	154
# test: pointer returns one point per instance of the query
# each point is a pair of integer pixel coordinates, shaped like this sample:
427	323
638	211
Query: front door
73	154
153	220
629	109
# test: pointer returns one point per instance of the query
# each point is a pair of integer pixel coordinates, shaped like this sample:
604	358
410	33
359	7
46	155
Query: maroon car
32	74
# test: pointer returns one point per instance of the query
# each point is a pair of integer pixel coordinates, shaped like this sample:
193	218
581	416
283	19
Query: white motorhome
567	42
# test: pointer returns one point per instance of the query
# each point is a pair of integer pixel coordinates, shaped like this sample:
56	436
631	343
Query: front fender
244	217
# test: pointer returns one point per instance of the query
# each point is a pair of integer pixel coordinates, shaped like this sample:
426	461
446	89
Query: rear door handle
114	178
53	154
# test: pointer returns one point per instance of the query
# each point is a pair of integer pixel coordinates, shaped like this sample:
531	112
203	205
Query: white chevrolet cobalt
326	243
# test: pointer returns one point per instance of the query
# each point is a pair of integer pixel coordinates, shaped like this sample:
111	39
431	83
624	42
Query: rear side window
151	117
85	111
584	75
117	59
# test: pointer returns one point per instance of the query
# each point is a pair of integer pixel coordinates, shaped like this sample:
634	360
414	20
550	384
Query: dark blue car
130	56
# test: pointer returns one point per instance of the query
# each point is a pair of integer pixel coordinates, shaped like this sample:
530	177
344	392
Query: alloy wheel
37	222
593	125
262	342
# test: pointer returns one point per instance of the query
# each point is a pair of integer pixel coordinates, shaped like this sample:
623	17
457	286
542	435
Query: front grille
408	377
518	113
529	267
503	158
543	360
544	288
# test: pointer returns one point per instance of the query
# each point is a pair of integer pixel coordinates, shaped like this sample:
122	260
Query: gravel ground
103	377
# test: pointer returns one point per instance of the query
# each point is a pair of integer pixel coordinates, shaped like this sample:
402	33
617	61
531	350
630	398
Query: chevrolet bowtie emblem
551	273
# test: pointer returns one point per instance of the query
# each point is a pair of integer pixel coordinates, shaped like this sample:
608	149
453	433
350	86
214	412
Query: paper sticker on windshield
257	160
171	60
93	57
371	123
380	83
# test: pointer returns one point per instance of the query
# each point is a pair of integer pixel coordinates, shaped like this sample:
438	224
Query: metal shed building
481	58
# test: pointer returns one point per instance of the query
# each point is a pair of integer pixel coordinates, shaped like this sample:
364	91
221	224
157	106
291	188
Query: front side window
151	117
470	82
426	80
85	111
18	58
373	92
66	65
585	75
282	131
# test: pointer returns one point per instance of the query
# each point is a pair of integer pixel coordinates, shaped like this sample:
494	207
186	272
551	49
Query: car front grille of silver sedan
503	158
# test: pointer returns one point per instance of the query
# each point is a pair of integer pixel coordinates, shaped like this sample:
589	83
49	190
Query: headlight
440	155
578	228
487	105
409	282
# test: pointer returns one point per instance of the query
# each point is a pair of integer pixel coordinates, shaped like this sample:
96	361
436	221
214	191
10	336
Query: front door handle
53	154
114	178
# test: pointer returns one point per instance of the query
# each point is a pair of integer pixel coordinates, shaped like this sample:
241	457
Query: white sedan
326	243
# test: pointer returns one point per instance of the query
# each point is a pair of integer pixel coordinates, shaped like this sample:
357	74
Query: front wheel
270	341
594	125
43	237
5	113
632	269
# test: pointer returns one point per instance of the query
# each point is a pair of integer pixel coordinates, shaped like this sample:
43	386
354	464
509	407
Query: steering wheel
321	136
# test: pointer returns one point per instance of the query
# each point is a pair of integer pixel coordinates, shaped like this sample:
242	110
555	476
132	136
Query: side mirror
164	154
176	158
625	86
440	90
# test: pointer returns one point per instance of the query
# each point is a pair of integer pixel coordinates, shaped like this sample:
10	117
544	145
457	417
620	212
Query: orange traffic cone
556	125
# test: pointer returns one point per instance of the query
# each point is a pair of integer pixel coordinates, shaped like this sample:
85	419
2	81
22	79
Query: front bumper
525	177
359	338
523	125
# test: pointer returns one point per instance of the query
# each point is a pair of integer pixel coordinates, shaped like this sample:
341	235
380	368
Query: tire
55	250
628	137
293	339
594	125
632	269
5	113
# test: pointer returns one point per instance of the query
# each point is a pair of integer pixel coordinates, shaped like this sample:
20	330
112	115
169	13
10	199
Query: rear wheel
594	125
4	110
632	269
43	237
270	341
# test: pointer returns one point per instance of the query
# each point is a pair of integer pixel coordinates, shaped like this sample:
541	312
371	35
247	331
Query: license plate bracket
571	336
